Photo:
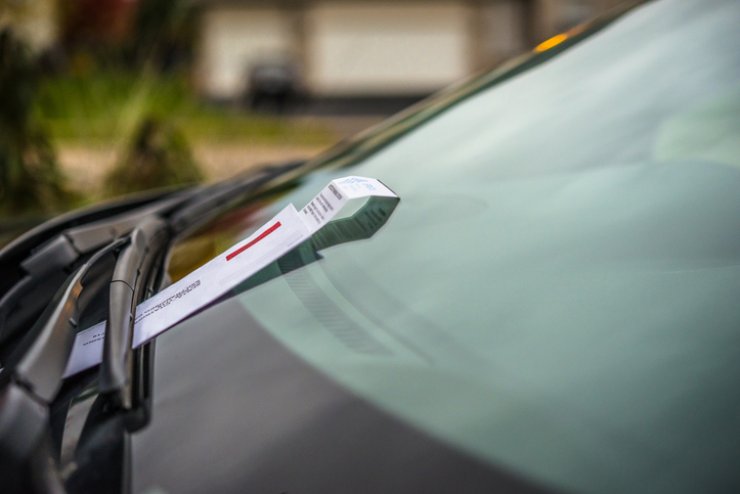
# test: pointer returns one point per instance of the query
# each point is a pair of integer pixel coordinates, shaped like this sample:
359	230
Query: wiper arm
31	380
39	364
133	267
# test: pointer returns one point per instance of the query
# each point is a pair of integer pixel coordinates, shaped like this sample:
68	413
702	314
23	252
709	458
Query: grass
105	107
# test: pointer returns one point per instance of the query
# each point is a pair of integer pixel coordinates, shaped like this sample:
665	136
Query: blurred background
106	97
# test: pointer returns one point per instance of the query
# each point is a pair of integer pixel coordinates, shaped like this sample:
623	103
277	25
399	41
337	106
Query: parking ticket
284	232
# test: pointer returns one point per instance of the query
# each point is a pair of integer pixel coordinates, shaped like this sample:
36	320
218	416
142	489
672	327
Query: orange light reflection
551	42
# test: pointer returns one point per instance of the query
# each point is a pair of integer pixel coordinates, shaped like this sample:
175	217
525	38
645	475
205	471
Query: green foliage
29	177
103	105
157	156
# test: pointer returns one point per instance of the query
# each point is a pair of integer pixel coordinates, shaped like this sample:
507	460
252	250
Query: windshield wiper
31	380
48	265
32	376
134	266
40	360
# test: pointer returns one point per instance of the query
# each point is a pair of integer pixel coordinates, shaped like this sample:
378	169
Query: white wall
232	38
502	32
371	47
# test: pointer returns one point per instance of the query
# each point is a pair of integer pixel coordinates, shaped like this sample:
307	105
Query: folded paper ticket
320	222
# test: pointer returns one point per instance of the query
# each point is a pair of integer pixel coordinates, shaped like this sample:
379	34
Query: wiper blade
133	267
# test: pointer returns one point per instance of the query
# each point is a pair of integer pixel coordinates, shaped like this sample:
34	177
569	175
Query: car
551	306
274	85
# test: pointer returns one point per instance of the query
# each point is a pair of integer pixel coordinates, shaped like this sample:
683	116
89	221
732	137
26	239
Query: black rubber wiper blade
133	267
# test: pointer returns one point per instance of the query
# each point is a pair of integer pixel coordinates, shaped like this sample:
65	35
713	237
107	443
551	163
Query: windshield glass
557	292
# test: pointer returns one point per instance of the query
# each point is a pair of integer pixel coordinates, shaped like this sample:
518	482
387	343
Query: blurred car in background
553	306
274	85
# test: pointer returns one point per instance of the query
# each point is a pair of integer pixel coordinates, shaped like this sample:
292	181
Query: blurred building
349	48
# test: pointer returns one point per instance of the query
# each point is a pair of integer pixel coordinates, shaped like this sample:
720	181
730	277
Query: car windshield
557	292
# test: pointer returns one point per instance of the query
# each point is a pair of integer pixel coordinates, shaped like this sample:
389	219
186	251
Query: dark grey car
554	305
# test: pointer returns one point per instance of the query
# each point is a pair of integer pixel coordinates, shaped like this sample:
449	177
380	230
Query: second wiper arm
125	290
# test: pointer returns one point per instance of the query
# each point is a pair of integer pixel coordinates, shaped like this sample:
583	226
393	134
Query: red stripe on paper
261	236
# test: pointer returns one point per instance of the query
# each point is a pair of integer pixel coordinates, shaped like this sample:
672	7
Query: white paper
282	233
